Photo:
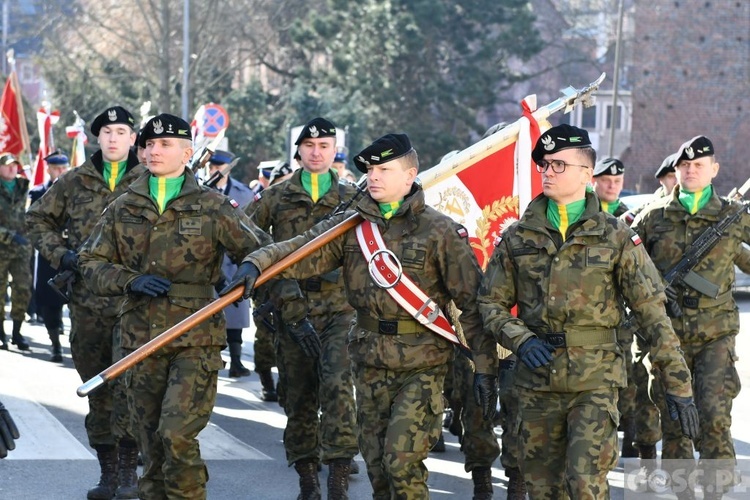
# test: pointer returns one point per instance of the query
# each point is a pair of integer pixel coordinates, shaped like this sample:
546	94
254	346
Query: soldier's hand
18	239
535	353
304	334
8	432
684	410
148	284
246	275
485	394
69	261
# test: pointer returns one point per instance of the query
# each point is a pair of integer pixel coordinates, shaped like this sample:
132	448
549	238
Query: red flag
11	136
45	119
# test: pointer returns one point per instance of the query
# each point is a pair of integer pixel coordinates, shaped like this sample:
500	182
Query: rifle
202	155
212	181
62	284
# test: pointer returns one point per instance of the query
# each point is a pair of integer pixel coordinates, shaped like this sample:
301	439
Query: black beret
666	166
280	170
316	128
8	159
165	125
115	114
221	157
387	148
559	138
609	166
697	147
57	158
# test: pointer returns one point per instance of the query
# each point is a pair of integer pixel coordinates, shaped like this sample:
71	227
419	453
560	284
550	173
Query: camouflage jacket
434	252
64	217
285	210
184	244
12	209
572	287
667	230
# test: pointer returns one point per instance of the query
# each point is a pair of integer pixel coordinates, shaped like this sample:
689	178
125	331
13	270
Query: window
618	117
588	117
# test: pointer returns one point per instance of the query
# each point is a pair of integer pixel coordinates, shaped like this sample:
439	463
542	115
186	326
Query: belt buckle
386	327
556	340
690	302
312	285
372	268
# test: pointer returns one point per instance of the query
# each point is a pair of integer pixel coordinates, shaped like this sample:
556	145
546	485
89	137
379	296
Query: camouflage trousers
263	347
318	393
17	265
92	349
568	442
171	395
509	399
626	399
648	390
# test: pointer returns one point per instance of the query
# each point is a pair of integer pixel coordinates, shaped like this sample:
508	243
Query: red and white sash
385	270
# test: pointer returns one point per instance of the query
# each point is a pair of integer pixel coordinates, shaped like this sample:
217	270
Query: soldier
14	247
264	174
608	183
58	226
398	364
161	243
709	321
237	315
315	377
8	432
339	163
49	303
565	264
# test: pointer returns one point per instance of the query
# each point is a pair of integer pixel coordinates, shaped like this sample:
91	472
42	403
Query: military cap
266	167
221	157
165	125
609	166
57	158
559	138
340	155
316	128
281	169
697	147
110	116
387	148
666	166
8	159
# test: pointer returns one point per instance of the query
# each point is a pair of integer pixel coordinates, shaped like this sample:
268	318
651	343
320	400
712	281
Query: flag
45	119
11	135
494	190
197	125
78	134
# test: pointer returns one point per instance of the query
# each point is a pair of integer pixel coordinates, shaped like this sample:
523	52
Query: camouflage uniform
309	385
15	258
568	293
708	326
60	222
399	378
171	394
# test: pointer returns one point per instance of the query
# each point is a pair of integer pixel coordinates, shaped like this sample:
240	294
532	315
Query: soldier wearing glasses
565	264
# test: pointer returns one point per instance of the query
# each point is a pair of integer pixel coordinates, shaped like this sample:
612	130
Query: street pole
185	59
616	82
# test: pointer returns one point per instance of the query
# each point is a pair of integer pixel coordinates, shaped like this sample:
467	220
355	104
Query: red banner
11	138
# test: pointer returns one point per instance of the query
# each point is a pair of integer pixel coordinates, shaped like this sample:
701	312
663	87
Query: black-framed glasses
558	166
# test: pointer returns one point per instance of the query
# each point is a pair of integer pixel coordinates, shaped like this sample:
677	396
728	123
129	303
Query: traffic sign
215	119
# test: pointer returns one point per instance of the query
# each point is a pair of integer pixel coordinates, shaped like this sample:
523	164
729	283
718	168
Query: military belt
310	284
581	338
390	327
702	302
191	291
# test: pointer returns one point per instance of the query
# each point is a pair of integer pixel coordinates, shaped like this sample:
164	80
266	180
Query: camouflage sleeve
259	211
45	221
99	259
497	295
462	276
237	233
743	259
641	285
320	261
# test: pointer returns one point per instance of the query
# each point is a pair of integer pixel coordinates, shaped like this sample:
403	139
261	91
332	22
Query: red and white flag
46	118
491	194
78	134
11	136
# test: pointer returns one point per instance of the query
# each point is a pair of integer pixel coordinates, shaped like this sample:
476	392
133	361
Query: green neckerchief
164	189
113	172
610	207
695	201
316	185
388	209
9	185
562	216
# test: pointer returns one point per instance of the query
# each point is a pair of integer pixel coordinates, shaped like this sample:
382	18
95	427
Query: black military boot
54	337
440	445
107	485
338	479
309	486
269	388
17	338
516	485
353	467
482	477
127	472
628	448
236	369
3	340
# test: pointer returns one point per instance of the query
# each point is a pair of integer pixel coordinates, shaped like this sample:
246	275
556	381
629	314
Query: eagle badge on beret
314	132
549	144
690	153
112	115
158	129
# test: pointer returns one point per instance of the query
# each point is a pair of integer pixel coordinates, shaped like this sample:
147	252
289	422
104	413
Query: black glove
684	409
535	353
220	286
304	334
69	261
8	432
485	394
148	284
245	275
19	240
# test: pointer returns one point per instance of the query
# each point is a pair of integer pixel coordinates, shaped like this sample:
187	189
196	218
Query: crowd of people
363	330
